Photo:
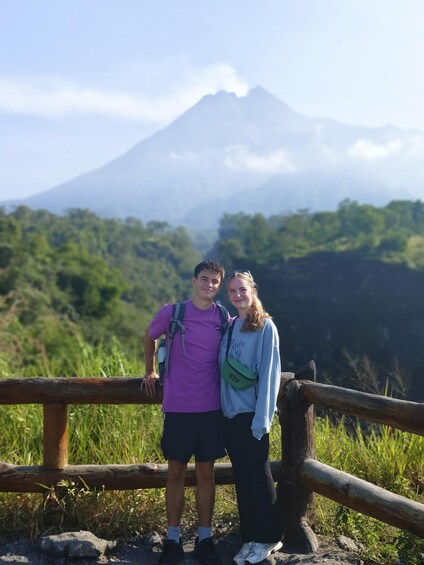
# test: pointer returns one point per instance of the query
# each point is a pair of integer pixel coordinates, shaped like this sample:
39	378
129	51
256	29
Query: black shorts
199	433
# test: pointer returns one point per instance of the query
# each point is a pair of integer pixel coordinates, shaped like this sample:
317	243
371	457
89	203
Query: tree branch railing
299	475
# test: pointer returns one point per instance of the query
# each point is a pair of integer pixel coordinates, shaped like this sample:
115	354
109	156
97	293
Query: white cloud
211	79
370	151
240	158
50	97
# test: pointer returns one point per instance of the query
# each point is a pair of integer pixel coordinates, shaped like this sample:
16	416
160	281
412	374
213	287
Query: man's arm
151	377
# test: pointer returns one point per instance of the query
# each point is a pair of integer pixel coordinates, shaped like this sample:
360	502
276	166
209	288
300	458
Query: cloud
370	151
416	145
211	79
51	97
240	158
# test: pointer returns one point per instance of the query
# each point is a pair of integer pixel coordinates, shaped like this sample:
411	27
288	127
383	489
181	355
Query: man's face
207	285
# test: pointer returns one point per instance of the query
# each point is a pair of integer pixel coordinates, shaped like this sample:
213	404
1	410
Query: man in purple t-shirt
192	422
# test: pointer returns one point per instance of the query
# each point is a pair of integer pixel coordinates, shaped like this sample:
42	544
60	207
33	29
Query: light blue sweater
259	351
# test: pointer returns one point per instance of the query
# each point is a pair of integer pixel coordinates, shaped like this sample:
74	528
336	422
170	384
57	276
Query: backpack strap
175	325
230	334
224	315
176	322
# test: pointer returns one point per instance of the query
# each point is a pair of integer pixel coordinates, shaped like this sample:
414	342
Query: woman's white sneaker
260	551
241	556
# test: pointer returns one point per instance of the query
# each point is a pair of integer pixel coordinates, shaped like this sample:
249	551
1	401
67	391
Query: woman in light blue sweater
253	341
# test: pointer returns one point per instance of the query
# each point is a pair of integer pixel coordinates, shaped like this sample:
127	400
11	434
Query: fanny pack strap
230	333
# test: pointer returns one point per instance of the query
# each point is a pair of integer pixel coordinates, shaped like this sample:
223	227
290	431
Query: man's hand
149	383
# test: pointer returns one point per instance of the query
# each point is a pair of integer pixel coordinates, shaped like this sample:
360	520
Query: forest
344	287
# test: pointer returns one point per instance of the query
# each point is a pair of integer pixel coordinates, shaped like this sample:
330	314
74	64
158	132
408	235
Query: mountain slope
251	154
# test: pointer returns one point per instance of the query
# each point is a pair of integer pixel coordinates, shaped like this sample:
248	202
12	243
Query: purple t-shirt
192	381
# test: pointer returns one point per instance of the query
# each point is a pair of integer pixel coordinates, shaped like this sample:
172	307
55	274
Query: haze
83	81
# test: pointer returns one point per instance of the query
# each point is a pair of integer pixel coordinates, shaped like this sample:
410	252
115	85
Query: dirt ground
137	552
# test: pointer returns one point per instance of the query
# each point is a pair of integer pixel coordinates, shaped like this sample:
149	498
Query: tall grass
380	455
128	434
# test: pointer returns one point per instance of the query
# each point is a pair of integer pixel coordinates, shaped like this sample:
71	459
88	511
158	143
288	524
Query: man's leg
205	492
209	446
204	549
174	495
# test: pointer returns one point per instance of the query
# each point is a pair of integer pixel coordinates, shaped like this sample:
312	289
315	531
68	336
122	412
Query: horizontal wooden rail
15	478
401	414
404	415
80	390
75	390
363	496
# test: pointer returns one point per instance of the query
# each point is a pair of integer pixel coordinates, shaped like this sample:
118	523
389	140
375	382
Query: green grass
130	434
380	455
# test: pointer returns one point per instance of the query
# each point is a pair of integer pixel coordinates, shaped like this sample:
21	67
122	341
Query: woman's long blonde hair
257	313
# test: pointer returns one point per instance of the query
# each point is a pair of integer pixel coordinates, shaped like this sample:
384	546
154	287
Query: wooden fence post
297	441
55	438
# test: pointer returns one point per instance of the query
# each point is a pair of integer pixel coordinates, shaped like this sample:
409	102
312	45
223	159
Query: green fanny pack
237	375
233	372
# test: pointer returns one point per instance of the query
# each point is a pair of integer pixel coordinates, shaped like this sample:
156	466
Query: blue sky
82	81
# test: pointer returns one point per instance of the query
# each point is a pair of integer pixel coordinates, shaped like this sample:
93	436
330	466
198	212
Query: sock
174	533
204	532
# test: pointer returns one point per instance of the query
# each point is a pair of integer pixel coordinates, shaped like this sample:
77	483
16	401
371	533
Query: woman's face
240	293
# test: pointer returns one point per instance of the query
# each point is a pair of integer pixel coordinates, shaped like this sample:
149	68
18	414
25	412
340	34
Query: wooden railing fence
299	475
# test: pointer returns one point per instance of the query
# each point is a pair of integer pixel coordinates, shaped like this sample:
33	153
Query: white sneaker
240	558
261	551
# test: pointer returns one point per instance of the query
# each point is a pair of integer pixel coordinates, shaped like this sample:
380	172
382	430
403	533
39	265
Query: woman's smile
240	294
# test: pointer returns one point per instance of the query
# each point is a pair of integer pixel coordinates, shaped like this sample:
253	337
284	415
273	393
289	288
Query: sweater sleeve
269	376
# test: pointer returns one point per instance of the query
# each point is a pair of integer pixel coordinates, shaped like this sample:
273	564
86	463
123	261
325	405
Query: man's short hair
209	266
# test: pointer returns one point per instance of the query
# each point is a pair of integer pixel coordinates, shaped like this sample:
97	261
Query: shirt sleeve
160	323
269	378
